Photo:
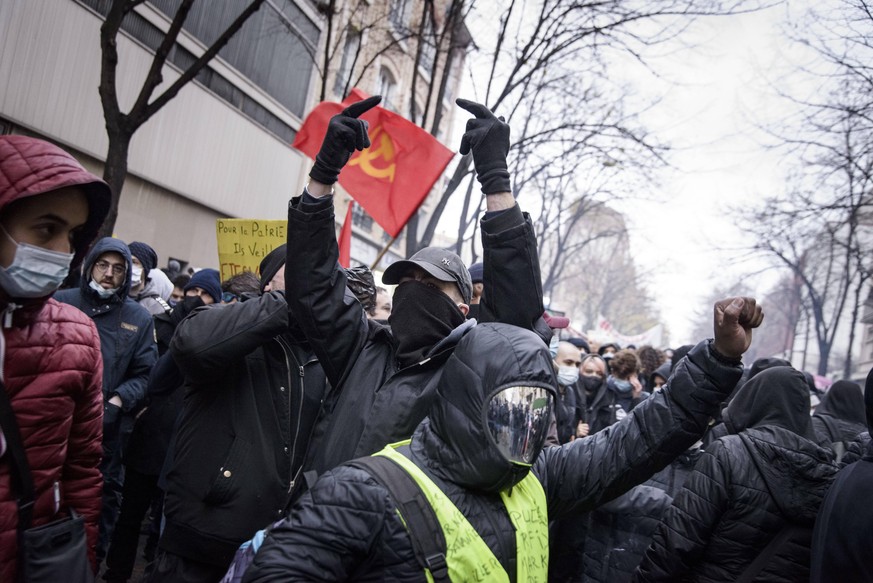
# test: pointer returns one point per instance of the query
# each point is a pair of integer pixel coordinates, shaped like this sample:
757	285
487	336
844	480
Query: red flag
392	177
345	239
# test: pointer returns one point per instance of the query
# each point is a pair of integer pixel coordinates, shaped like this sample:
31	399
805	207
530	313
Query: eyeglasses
228	297
117	268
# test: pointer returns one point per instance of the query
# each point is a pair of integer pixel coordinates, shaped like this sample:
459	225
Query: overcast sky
713	95
713	91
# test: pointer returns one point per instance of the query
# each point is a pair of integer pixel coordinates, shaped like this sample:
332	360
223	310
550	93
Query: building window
387	87
361	219
347	66
398	13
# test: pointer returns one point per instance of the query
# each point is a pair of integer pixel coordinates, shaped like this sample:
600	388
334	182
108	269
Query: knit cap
146	256
209	281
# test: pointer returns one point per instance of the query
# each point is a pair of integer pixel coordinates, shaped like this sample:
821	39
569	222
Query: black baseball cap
440	263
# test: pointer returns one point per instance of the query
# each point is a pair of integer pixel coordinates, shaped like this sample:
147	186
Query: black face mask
420	317
189	304
591	384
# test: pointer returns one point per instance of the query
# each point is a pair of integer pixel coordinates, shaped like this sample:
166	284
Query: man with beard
127	344
385	378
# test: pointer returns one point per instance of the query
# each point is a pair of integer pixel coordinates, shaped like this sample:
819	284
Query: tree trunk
114	173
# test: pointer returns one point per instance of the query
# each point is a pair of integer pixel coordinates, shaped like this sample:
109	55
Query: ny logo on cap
446	261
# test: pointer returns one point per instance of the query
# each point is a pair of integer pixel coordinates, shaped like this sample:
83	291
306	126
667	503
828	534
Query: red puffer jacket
53	376
51	362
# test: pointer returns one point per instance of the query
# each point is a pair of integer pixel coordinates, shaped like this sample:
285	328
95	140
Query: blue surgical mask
34	272
553	345
622	386
104	293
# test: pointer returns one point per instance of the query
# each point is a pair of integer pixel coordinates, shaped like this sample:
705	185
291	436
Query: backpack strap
19	470
168	309
428	540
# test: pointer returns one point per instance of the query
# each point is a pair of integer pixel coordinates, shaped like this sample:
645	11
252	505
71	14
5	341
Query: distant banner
243	243
606	333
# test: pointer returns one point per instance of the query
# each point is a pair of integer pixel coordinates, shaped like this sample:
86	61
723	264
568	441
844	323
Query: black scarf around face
420	317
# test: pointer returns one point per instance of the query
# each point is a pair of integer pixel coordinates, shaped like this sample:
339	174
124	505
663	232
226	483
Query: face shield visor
518	419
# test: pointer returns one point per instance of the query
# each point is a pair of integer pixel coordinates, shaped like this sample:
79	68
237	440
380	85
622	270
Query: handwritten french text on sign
243	243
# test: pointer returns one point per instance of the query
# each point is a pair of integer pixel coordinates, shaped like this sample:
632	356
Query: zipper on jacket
292	477
7	314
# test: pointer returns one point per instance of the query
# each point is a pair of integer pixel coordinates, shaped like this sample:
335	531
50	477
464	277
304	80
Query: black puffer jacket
377	401
607	544
840	415
251	396
346	527
745	488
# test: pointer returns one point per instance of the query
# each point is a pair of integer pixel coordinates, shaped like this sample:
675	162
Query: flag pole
382	253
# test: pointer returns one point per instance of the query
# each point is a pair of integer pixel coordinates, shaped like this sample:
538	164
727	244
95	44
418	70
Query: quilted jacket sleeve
81	482
586	473
344	529
512	282
315	285
682	536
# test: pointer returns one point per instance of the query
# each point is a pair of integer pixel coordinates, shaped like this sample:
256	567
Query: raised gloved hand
733	321
487	137
345	134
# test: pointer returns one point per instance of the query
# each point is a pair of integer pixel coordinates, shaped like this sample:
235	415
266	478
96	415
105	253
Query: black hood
776	396
102	246
455	438
844	400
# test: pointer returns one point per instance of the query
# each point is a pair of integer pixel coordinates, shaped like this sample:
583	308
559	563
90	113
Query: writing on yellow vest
467	555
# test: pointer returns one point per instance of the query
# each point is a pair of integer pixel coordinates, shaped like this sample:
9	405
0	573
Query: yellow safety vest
467	556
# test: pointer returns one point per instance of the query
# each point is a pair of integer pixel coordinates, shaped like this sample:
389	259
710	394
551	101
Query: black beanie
146	256
270	265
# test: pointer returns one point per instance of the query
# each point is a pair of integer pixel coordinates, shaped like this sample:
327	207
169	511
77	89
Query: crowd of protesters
247	427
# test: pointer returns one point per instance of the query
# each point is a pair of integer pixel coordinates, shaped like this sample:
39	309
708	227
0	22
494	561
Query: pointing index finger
361	107
477	109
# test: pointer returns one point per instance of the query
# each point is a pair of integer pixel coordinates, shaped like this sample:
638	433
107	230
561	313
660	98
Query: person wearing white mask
129	349
50	364
569	411
149	286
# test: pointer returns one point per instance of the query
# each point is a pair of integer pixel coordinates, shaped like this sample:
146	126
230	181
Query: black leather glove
345	134
488	138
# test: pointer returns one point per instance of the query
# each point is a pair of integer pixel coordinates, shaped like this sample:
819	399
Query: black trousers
138	492
170	568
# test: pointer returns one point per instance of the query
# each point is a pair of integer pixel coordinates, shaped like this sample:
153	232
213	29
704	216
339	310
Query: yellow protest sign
243	243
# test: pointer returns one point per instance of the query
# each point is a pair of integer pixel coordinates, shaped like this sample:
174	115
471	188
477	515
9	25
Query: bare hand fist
733	321
582	430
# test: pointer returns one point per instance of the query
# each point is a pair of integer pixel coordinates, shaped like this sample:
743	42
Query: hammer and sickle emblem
382	147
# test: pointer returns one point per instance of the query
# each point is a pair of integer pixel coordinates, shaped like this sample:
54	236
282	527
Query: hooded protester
839	418
600	406
492	486
148	289
127	344
50	364
385	378
841	543
747	490
252	393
